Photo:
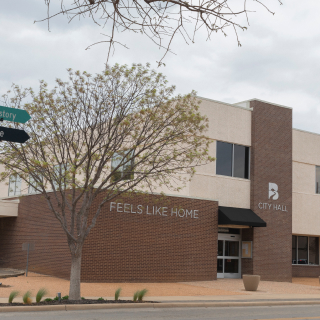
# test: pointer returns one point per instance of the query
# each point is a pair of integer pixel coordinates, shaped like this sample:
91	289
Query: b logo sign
273	191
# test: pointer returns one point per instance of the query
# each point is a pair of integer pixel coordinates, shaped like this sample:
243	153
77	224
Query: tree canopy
118	131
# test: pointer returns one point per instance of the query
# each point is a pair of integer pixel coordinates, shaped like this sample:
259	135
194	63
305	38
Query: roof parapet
247	103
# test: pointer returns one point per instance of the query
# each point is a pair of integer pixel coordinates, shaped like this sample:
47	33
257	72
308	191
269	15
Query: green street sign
14	115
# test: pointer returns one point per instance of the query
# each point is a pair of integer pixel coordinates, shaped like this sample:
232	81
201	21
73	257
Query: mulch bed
83	301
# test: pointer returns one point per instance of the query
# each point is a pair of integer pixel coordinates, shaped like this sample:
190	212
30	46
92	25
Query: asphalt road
238	313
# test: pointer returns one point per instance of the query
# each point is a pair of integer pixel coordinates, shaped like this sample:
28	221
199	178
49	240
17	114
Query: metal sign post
27	246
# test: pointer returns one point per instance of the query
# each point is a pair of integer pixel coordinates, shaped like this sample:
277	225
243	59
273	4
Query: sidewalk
222	292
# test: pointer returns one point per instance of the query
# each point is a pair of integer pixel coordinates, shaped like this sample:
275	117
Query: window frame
124	174
31	188
232	160
317	187
59	168
308	253
14	190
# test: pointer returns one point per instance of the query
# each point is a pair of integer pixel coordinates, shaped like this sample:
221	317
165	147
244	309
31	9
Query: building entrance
229	256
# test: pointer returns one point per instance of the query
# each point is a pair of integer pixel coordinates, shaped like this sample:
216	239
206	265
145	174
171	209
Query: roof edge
225	103
305	131
275	104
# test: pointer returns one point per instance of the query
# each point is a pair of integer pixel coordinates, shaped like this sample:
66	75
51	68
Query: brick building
255	210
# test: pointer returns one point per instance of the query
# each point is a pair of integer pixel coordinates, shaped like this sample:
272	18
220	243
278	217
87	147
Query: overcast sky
279	60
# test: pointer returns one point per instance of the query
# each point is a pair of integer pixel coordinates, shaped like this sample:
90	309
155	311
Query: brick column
271	162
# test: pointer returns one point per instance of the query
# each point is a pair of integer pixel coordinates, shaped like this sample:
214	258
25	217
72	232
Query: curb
74	307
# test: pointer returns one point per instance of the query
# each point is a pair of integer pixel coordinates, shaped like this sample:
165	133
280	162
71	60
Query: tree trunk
74	292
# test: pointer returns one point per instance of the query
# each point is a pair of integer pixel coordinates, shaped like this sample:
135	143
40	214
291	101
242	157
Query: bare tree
159	20
118	131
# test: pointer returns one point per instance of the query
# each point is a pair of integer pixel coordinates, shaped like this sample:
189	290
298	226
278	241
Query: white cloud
278	60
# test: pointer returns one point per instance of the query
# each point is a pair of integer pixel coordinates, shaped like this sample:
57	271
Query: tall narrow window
14	185
241	162
58	176
294	249
317	179
302	250
233	160
122	166
32	185
224	158
313	250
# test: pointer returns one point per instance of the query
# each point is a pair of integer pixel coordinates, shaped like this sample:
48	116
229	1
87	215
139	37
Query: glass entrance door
229	262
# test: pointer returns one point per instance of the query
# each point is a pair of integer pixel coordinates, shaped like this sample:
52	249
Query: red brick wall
247	263
126	247
34	224
305	271
271	161
122	246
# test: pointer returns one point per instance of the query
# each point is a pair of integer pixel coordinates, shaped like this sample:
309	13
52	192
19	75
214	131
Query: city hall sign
272	195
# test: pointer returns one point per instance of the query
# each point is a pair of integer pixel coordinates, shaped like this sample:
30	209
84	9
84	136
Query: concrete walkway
8	273
217	293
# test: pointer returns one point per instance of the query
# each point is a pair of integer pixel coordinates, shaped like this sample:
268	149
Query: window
232	160
32	183
14	185
122	164
58	176
305	250
317	179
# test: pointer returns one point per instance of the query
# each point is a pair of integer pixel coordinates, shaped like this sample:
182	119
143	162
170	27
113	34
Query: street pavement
218	313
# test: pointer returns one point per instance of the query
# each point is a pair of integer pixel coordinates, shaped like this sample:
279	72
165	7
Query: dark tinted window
317	179
313	250
224	158
231	265
241	162
294	249
302	250
220	266
220	248
231	248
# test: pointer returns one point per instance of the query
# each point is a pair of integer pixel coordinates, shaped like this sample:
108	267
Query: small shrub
141	294
48	300
56	298
117	294
135	296
83	298
40	294
27	298
65	298
101	299
13	295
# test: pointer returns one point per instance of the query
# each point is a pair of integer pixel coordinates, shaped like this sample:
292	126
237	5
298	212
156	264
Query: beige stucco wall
306	214
306	203
9	208
230	192
303	177
227	123
306	147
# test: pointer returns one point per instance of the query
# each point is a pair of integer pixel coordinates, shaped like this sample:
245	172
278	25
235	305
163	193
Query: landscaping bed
66	301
